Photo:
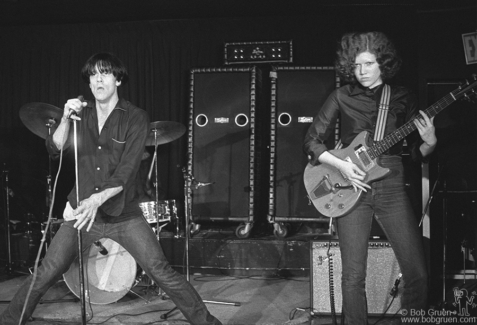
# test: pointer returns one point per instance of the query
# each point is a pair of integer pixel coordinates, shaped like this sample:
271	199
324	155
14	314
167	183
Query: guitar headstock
467	91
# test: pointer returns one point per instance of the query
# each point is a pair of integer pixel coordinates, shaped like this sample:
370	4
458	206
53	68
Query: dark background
43	45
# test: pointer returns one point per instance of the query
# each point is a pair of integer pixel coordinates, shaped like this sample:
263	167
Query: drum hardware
160	215
42	119
142	279
167	131
137	295
7	219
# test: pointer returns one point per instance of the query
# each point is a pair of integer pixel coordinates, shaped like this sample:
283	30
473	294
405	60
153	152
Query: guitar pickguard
362	155
323	188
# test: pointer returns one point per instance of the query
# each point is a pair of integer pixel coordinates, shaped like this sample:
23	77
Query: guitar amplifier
382	272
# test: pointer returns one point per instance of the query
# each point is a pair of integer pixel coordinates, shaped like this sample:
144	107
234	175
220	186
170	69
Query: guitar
331	194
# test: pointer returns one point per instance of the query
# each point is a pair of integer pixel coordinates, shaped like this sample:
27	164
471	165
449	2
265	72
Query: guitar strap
382	113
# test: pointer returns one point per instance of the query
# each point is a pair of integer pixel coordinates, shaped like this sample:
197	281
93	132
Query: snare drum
107	277
167	208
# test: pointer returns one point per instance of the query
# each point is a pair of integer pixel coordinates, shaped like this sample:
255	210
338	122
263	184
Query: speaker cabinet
297	94
224	143
382	272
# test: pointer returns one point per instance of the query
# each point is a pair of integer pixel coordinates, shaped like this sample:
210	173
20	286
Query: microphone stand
79	235
431	196
49	191
188	181
49	125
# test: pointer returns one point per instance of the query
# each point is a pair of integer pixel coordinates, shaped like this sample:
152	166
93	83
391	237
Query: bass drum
107	277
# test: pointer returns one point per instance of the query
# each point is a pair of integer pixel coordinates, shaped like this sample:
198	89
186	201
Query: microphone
102	249
394	289
72	114
200	184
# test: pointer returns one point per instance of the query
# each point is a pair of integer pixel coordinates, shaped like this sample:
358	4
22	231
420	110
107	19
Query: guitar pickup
323	188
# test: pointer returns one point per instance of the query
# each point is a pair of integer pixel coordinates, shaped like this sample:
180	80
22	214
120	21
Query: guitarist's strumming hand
352	173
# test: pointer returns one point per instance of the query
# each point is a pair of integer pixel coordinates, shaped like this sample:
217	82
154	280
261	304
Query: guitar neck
391	139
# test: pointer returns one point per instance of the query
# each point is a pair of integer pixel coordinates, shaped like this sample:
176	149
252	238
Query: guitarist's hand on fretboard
427	131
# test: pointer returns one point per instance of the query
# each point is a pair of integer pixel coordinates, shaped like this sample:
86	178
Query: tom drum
166	209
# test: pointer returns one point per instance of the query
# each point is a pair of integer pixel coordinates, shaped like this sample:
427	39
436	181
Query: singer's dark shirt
357	108
109	159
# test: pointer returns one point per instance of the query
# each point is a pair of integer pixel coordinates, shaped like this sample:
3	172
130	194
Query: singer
111	135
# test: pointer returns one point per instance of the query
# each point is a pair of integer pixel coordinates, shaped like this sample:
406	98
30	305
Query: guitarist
365	61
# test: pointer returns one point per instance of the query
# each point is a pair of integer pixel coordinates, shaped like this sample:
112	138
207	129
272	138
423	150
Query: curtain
42	64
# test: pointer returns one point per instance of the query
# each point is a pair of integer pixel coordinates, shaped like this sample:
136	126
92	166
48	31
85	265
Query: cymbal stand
7	219
189	180
156	199
156	209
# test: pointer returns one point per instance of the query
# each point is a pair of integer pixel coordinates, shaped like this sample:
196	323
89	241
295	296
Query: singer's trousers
138	238
389	203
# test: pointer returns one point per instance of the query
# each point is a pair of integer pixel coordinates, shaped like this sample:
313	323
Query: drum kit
110	276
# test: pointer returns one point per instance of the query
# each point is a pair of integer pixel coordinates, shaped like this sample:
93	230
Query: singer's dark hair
106	63
377	43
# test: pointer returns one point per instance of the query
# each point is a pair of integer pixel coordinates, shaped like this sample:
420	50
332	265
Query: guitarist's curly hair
377	43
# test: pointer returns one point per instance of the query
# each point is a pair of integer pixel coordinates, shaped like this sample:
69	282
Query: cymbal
165	131
39	117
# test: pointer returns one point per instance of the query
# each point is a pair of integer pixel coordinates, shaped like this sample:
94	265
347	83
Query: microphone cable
393	293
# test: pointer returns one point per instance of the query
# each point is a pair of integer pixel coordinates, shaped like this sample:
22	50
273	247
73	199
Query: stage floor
233	300
255	281
259	280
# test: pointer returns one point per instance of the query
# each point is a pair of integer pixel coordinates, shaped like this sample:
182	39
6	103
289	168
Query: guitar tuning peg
471	98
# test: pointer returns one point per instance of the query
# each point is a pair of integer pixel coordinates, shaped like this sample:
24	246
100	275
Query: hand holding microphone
73	107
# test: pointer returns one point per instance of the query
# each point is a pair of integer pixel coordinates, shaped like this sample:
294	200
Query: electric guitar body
330	193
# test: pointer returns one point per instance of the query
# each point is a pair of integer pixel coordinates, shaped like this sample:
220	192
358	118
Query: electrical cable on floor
225	277
116	315
141	314
291	314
